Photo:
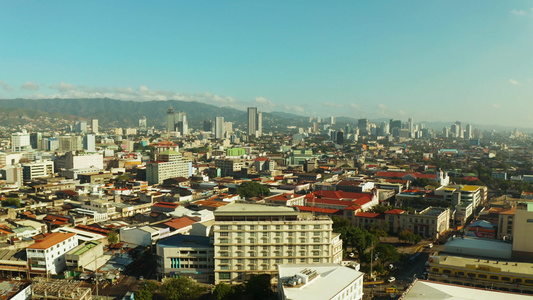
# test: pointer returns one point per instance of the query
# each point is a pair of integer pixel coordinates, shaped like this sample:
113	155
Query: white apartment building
252	239
71	160
47	256
38	169
171	164
320	281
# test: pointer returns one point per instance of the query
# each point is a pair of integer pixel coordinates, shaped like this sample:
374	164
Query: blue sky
430	60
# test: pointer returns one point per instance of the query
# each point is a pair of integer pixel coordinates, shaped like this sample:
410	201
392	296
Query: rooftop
180	240
331	279
496	266
436	290
255	209
51	240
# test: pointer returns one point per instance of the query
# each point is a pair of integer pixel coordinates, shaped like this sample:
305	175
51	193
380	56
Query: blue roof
180	240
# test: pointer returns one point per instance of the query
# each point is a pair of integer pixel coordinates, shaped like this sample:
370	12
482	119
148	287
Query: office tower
228	126
458	130
36	139
252	239
94	126
171	119
332	120
364	126
340	137
142	123
208	125
410	125
255	120
333	135
20	141
468	132
89	143
183	125
220	128
81	126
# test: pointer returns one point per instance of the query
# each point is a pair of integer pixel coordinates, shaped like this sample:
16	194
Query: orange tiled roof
51	240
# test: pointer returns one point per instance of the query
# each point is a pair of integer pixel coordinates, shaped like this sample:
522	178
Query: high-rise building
332	120
169	164
340	137
364	126
255	120
20	141
171	119
94	126
183	125
208	125
36	139
89	143
142	123
81	126
468	132
220	128
411	125
252	239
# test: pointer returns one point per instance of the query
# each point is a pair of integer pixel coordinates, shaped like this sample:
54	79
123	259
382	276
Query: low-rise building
430	222
84	254
319	281
47	256
186	255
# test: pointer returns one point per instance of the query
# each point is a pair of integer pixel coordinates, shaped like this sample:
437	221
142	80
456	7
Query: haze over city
433	61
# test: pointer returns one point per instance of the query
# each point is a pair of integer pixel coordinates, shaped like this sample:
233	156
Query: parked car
391	279
430	245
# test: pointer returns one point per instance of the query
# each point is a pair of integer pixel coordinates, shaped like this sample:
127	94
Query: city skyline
437	61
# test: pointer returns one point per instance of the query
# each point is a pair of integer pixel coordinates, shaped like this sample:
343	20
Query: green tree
112	237
123	177
259	287
11	202
252	189
143	294
181	288
387	253
360	238
222	291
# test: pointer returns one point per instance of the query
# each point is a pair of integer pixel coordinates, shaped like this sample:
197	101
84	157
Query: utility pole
371	260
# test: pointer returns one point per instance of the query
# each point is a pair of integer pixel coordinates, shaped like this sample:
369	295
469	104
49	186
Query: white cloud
334	105
5	86
293	108
30	86
355	106
518	12
382	106
63	87
513	82
264	104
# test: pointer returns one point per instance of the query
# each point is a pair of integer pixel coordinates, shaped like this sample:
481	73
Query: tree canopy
252	189
11	202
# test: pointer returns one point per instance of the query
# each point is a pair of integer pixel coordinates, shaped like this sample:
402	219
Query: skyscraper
142	123
94	126
220	128
183	125
171	119
89	143
255	120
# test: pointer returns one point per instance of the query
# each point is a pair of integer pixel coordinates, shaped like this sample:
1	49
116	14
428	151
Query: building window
224	234
224	227
481	276
317	226
471	275
506	279
224	275
278	227
265	227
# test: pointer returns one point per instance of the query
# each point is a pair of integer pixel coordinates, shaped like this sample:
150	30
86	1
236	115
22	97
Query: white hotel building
253	239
